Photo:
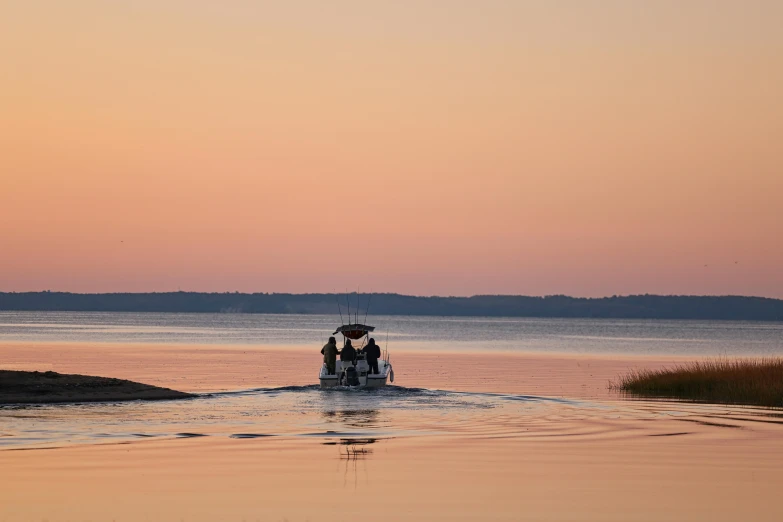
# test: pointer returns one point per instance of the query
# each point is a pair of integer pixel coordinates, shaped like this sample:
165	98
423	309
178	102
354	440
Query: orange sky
454	147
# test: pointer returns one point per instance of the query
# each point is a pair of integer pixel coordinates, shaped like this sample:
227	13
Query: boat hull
366	379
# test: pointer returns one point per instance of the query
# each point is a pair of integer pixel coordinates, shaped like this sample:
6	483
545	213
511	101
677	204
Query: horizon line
532	296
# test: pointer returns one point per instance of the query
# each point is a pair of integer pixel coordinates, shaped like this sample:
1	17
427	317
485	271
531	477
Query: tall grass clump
757	382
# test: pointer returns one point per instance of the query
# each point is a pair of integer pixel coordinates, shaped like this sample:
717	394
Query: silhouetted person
330	355
348	352
373	352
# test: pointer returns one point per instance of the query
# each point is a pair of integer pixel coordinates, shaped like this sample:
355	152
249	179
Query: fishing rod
349	304
339	309
388	359
358	288
369	300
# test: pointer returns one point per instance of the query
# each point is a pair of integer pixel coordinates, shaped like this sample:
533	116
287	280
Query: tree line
620	307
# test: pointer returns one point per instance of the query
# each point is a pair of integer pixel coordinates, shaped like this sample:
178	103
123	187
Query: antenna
349	305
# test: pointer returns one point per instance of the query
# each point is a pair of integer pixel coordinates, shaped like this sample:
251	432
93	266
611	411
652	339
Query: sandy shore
17	387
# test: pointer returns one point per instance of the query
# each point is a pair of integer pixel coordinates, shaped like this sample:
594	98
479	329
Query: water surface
593	336
501	419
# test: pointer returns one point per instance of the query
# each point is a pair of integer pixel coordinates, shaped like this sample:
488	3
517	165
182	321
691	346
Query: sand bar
18	387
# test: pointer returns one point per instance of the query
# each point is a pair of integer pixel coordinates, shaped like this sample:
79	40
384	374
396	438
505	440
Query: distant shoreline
737	308
17	387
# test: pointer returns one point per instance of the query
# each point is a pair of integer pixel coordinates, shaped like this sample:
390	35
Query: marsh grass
757	382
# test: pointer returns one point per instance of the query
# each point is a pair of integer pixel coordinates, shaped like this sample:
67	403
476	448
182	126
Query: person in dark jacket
373	352
348	353
330	355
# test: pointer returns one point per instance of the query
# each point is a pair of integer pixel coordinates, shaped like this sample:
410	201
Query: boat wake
344	414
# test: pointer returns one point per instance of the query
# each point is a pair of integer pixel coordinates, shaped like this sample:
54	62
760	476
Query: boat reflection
354	418
351	451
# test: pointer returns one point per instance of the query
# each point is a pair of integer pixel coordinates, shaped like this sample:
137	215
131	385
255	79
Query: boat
356	374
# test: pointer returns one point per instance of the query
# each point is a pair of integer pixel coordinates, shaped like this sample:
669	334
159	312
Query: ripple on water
311	413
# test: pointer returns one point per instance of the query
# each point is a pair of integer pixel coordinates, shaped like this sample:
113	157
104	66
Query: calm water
591	336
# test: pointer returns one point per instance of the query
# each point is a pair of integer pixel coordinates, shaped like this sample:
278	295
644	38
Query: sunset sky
423	147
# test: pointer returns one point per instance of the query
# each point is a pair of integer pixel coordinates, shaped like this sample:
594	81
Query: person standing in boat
330	355
373	353
348	353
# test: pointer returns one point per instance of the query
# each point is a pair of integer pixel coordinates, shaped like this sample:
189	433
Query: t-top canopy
354	331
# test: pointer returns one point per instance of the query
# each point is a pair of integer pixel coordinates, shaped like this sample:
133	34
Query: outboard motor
351	376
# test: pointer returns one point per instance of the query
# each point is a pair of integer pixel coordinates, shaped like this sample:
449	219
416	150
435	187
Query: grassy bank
756	382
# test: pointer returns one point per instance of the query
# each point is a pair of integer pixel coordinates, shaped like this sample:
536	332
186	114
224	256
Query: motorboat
356	373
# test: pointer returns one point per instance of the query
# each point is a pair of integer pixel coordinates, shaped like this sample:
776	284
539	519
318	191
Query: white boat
356	374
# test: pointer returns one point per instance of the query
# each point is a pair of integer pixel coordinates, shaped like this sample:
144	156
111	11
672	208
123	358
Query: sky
456	147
